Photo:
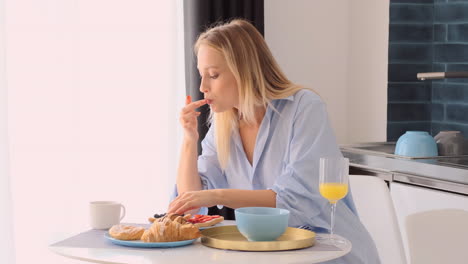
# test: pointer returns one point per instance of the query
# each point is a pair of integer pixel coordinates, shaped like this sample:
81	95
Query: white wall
367	75
7	250
338	48
93	100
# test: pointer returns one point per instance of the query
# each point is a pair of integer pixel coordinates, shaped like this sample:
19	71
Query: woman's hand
193	200
188	118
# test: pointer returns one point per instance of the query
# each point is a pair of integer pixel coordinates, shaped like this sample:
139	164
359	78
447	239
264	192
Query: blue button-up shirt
294	134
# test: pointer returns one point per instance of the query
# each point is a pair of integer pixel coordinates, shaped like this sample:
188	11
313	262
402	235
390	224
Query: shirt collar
289	98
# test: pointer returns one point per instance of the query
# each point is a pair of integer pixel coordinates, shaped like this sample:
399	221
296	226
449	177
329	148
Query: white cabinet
409	199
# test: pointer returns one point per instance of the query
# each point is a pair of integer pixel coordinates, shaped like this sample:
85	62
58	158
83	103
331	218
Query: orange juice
333	191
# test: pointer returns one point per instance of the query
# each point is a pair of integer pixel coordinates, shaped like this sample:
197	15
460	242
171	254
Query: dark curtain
198	16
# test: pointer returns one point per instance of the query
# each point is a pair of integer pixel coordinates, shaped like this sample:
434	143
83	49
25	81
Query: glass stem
332	224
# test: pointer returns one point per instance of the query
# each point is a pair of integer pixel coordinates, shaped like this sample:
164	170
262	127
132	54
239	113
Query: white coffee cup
105	214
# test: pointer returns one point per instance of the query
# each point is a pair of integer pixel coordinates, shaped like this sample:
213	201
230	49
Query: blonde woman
265	141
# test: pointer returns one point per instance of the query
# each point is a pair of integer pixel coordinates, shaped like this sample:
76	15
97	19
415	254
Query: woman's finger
190	116
193	105
177	202
184	207
183	203
173	206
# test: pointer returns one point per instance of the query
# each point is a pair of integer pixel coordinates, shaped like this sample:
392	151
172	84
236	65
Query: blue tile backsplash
427	36
410	53
410	13
407	33
457	32
450	53
450	12
409	92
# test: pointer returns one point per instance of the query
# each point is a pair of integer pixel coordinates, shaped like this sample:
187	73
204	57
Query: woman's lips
209	101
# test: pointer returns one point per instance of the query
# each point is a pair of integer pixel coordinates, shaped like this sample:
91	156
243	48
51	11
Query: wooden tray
229	237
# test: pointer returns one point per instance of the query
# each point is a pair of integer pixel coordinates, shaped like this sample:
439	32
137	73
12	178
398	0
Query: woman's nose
203	87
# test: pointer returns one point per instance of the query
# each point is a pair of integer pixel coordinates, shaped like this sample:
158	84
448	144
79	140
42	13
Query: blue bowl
261	223
416	144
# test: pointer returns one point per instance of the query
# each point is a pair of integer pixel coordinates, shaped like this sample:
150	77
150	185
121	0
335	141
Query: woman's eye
214	76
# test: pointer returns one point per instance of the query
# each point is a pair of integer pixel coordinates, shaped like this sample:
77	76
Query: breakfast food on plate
156	216
169	228
198	220
205	220
126	232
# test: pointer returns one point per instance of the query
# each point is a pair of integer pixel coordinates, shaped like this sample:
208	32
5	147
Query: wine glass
333	185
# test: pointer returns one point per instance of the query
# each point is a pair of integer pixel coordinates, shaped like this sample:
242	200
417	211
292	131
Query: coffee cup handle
123	212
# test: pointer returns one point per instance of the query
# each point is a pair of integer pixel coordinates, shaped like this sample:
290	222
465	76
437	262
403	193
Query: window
94	88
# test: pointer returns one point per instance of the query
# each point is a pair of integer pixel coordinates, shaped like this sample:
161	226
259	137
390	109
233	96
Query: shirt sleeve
297	186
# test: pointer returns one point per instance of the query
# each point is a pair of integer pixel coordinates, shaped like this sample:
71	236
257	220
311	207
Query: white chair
438	236
375	209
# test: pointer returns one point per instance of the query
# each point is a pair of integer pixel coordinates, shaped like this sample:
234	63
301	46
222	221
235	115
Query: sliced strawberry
202	218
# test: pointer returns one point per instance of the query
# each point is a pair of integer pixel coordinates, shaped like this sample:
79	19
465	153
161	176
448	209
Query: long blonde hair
258	76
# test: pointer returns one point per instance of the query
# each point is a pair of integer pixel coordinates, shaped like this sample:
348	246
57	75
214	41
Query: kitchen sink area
387	149
376	148
447	173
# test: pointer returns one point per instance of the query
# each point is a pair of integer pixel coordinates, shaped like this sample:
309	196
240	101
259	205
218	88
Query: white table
93	247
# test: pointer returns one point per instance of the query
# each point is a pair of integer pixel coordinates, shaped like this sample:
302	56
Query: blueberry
159	215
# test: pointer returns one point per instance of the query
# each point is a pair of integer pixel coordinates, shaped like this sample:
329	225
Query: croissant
170	228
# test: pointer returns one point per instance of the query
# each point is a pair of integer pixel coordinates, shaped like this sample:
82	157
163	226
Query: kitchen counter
442	173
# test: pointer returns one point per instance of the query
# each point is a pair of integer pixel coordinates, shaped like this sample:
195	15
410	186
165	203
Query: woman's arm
235	198
188	178
232	198
187	173
297	186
